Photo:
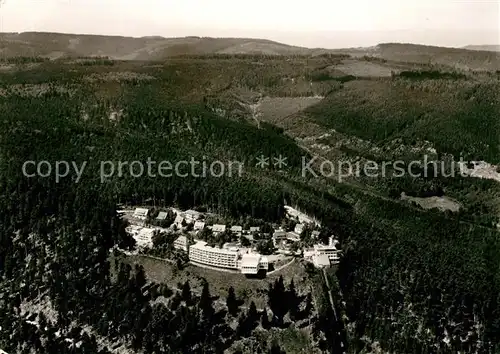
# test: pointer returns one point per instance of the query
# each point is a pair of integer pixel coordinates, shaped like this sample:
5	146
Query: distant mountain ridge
459	58
57	45
54	45
484	47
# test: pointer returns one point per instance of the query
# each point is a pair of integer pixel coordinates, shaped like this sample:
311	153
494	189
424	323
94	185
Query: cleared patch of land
484	170
274	109
441	203
118	76
247	289
364	69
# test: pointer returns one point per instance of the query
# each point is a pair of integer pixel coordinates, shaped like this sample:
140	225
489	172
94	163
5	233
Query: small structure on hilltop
141	213
279	237
217	228
321	261
178	220
181	243
237	229
299	228
191	215
162	215
199	225
303	218
293	236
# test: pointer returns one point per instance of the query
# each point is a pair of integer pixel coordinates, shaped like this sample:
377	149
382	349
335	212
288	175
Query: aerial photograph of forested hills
202	194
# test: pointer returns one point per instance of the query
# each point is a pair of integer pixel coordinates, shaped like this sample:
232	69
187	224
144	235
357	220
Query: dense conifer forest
410	281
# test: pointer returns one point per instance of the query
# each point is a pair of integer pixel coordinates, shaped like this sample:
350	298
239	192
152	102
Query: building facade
253	263
141	213
199	225
201	253
320	253
143	236
181	243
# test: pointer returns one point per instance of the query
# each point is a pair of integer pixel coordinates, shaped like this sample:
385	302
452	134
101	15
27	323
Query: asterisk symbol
262	161
280	161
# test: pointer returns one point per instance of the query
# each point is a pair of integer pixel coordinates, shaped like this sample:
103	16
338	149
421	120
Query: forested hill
413	280
64	45
55	45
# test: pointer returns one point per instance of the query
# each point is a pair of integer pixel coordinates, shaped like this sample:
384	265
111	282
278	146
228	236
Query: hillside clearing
247	289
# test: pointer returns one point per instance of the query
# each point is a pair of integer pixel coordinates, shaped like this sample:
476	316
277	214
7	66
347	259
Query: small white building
216	228
181	243
320	253
331	251
254	229
303	218
293	236
162	215
191	215
299	228
237	229
178	220
199	225
143	236
321	261
279	237
252	263
141	213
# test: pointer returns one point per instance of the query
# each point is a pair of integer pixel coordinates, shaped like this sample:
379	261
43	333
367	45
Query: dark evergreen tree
232	302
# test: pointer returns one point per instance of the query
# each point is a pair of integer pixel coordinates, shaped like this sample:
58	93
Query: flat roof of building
218	227
141	211
202	245
162	215
321	260
250	260
325	247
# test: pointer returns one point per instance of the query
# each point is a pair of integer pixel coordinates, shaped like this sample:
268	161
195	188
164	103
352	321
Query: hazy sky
325	23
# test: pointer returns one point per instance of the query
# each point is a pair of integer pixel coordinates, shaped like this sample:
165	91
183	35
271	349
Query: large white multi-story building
201	253
230	257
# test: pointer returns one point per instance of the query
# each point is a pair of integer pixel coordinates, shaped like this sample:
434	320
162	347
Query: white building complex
324	255
201	253
303	218
229	258
143	236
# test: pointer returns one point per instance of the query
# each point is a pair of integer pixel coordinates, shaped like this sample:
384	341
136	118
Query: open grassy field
246	289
